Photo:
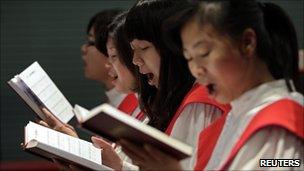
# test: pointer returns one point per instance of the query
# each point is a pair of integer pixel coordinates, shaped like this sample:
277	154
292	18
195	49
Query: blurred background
51	32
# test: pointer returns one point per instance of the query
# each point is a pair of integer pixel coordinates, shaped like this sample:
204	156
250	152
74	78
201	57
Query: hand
109	156
53	123
148	157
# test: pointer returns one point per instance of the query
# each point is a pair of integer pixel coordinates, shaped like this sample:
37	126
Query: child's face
122	77
215	61
147	59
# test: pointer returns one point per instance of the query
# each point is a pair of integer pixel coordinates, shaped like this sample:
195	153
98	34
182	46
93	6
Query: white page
47	92
63	142
80	112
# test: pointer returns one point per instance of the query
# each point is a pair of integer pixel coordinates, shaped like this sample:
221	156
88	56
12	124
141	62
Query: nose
108	64
137	59
201	72
83	49
197	70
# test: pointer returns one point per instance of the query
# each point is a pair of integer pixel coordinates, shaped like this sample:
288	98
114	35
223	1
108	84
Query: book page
40	84
63	142
80	112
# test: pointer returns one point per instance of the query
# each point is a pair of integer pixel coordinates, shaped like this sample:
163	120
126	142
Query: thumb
43	123
100	143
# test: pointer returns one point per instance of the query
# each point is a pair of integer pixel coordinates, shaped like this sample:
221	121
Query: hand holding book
148	157
52	144
109	156
115	125
38	90
53	123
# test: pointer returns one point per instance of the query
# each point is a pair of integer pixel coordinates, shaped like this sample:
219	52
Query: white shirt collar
115	97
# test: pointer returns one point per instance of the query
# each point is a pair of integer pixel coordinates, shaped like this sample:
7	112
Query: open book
50	144
113	124
38	90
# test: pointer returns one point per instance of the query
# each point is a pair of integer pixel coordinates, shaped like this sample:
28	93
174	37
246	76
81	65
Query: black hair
99	22
284	44
144	22
122	45
277	42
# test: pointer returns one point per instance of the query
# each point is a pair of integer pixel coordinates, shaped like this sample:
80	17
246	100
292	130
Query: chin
90	77
87	76
120	89
222	100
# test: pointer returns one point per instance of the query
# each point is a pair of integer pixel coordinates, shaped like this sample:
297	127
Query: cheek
227	71
153	61
121	71
126	79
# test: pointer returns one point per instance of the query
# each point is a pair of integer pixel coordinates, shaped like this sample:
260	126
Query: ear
248	43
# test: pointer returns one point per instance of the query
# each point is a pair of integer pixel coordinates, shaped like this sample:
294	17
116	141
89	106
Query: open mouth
113	76
150	77
211	88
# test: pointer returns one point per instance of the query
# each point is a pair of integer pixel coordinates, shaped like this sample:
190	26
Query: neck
256	74
106	84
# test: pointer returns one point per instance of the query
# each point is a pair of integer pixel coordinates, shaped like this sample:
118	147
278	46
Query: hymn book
113	124
38	90
50	144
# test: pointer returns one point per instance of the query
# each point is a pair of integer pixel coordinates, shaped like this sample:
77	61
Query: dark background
51	32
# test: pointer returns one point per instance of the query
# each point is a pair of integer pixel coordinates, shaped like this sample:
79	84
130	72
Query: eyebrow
200	42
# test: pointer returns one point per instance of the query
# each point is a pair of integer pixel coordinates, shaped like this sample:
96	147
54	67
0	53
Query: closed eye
112	58
204	55
145	48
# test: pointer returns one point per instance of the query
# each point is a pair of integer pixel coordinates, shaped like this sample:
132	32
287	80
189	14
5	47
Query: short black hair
99	22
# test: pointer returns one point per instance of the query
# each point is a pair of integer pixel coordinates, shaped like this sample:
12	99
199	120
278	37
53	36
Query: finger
66	130
134	149
43	123
50	119
22	145
37	119
100	143
70	126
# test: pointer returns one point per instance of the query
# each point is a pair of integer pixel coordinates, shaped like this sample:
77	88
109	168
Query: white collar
258	96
